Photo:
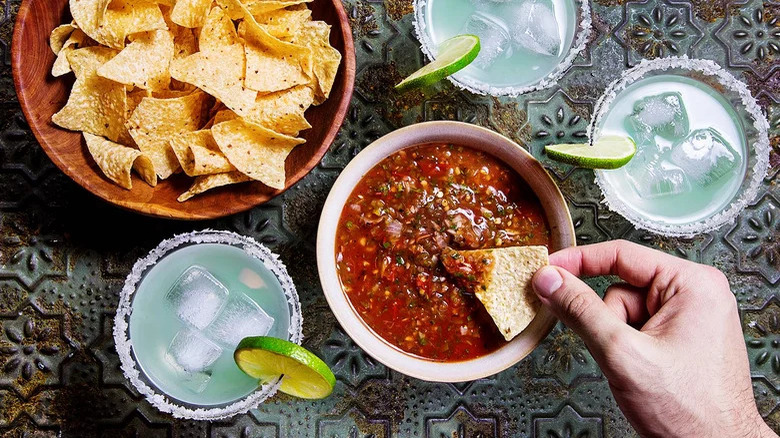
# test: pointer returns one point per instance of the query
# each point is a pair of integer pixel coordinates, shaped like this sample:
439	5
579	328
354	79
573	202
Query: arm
684	370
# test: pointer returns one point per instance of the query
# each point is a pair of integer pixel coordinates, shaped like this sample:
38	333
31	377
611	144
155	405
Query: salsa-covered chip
116	161
501	279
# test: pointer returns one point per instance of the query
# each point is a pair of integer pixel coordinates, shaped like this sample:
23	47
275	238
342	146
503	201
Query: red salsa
399	219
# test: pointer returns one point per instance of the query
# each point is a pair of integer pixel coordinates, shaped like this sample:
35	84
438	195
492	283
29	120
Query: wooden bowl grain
41	95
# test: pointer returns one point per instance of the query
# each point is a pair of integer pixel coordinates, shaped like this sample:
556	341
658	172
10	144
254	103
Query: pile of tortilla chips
216	89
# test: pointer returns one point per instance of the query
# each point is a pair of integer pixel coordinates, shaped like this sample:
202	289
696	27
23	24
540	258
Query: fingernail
547	281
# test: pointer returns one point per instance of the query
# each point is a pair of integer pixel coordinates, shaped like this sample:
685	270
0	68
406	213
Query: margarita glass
702	146
526	45
185	307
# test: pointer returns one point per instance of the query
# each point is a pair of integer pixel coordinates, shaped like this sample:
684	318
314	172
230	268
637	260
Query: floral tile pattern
750	34
655	29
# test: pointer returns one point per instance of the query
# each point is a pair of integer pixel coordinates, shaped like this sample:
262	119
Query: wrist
765	431
757	428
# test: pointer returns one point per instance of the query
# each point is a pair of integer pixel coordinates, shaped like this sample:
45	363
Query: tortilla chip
190	13
184	42
61	65
144	63
218	31
208	182
325	58
199	154
256	151
257	7
88	15
272	64
116	161
86	62
284	23
155	121
59	36
225	116
501	280
283	111
126	17
219	72
96	105
267	72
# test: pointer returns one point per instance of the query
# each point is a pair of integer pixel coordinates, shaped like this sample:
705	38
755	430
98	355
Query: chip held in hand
501	280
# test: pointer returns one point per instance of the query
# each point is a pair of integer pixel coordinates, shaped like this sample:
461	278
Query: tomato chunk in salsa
395	225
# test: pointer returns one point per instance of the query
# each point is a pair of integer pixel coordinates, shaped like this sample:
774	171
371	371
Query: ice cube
535	27
191	355
661	114
493	37
240	318
648	155
197	297
705	156
662	180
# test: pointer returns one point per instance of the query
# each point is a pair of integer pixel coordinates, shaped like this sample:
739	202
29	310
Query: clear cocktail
522	42
189	310
689	161
696	151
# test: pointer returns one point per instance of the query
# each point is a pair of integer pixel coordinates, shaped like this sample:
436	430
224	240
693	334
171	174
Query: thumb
579	307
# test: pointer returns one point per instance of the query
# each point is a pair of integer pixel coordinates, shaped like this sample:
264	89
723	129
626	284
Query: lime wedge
608	152
266	359
454	54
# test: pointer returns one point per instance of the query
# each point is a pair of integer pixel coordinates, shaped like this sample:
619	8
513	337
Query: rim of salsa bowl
458	133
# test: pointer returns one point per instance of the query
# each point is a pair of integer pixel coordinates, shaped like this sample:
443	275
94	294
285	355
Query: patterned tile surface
61	269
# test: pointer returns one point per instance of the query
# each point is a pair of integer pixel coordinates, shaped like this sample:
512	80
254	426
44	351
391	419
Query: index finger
635	264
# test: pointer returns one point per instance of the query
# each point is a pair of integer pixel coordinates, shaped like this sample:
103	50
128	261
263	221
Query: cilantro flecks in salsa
396	223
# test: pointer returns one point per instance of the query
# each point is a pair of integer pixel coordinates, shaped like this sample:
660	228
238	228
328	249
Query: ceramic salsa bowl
456	133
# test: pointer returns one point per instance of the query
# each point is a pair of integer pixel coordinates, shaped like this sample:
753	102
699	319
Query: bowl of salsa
394	210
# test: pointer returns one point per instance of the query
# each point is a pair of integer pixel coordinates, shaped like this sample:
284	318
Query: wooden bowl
41	95
457	133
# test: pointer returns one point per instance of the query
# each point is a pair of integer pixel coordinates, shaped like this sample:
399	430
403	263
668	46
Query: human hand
683	371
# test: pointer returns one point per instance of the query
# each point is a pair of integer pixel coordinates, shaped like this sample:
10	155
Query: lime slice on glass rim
454	55
304	375
608	152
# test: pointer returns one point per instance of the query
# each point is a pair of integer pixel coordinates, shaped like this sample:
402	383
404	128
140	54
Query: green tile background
64	254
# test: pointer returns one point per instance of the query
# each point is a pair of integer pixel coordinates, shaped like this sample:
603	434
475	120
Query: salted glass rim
759	149
582	33
124	345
